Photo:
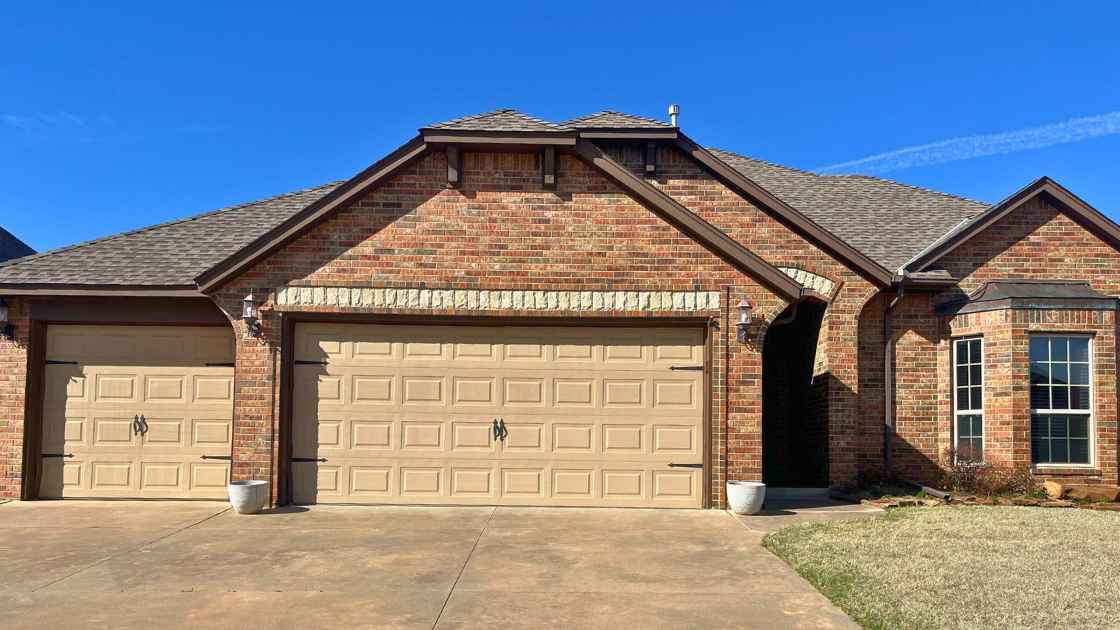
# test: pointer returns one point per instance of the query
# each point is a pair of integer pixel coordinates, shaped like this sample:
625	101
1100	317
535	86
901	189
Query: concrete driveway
178	564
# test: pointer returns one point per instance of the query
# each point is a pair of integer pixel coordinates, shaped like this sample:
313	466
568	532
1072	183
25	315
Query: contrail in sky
968	147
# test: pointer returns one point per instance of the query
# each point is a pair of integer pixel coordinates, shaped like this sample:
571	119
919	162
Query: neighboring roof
1028	294
1069	202
12	247
888	221
498	120
170	254
607	119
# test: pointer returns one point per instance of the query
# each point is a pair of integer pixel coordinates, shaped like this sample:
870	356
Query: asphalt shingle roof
499	120
168	254
607	119
887	221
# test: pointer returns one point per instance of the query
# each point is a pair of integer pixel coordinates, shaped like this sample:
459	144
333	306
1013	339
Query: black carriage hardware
225	457
672	465
687	368
53	455
57	362
304	460
304	362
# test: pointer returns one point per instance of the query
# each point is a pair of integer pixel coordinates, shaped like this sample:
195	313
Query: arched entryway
794	406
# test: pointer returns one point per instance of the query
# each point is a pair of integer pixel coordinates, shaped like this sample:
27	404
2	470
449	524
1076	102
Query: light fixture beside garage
249	315
6	329
744	320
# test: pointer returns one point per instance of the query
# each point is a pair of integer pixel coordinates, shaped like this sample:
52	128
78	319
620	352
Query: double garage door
605	416
532	415
137	411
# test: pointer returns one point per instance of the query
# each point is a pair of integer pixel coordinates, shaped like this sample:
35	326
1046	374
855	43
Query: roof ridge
149	228
612	112
495	112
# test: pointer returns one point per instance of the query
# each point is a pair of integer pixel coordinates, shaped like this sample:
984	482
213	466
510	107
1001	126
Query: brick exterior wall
837	371
501	231
1035	242
13	388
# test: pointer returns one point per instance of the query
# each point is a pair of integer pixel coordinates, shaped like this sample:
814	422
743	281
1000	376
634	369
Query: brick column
256	396
13	391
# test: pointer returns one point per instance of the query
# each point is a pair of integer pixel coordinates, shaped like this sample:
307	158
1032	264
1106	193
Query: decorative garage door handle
139	425
225	457
500	430
136	424
672	465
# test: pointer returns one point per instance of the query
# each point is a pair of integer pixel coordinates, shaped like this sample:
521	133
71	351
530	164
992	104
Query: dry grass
969	567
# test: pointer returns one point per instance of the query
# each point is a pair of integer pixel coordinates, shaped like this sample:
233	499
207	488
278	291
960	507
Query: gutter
888	370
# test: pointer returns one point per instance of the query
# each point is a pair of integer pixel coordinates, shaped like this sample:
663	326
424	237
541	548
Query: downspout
888	372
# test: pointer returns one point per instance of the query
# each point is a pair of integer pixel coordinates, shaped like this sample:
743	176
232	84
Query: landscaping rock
1025	501
1108	494
907	502
1058	504
983	501
931	502
1054	489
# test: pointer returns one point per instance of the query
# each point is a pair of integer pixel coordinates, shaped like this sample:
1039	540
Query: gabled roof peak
609	119
498	120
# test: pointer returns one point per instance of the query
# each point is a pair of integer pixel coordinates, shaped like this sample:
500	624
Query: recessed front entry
505	415
137	411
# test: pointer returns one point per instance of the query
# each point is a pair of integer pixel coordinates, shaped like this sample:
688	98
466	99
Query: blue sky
117	118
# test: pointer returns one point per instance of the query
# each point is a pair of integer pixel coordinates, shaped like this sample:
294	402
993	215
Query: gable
500	230
1039	240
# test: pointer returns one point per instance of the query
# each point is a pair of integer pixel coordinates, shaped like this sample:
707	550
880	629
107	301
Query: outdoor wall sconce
7	331
744	321
249	315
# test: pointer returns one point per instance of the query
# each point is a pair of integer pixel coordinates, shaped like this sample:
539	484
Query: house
11	247
506	310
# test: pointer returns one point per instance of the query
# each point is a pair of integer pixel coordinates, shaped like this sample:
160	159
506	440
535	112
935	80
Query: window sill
1066	471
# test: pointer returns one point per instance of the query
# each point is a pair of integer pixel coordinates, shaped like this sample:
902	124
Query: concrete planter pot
745	497
248	497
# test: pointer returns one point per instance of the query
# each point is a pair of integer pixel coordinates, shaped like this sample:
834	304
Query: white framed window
968	399
1061	400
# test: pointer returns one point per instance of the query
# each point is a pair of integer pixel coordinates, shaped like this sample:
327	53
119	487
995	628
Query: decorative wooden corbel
548	168
453	173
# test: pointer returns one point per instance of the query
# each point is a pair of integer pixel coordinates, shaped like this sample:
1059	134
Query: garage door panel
106	379
590	415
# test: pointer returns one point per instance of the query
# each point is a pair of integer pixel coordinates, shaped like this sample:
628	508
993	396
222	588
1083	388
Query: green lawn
966	567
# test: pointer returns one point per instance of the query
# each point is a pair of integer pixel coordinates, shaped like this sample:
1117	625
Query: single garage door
137	411
498	415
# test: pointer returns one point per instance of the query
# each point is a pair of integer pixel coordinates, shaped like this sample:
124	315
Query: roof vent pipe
674	111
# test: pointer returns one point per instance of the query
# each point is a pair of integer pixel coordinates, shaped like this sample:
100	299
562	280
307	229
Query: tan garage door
137	411
406	414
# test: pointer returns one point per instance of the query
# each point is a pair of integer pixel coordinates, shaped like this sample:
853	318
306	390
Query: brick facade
501	231
1036	242
14	355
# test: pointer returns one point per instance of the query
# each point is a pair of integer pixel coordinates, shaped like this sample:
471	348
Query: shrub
964	476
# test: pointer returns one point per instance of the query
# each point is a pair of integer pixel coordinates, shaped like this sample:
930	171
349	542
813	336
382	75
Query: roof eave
108	290
1080	211
746	187
688	222
312	215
